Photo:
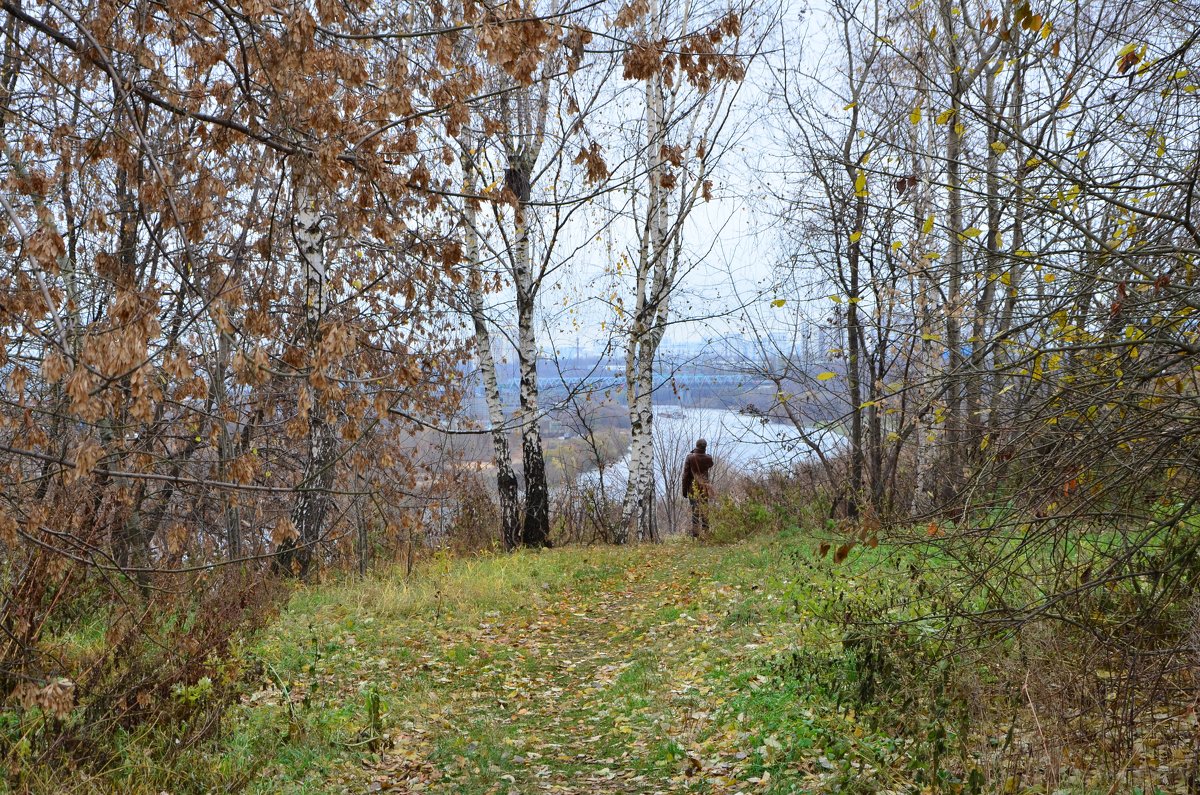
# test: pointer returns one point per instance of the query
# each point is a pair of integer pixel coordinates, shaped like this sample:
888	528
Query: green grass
653	668
661	668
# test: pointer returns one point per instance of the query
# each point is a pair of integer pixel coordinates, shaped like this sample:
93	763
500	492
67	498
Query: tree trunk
925	365
954	419
312	503
954	263
536	530
639	491
977	375
655	277
854	362
1000	355
506	479
225	447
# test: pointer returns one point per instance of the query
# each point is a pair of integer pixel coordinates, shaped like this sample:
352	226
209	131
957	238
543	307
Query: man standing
697	486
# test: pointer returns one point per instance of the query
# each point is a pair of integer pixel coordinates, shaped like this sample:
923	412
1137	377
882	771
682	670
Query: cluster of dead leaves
56	698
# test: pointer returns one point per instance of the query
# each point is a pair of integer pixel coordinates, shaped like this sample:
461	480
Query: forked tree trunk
506	479
647	327
524	114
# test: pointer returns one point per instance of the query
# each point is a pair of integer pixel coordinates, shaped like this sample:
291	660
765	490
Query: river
739	442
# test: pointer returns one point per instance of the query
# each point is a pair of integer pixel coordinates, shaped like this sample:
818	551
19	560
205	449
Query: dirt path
600	691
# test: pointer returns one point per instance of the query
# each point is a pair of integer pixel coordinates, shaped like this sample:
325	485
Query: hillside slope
666	668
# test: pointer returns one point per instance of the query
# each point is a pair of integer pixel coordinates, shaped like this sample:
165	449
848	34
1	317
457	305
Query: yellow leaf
927	227
1049	277
855	236
778	302
825	376
1182	73
1047	29
1128	48
945	115
837	299
897	245
973	232
860	183
1006	278
998	147
959	128
915	116
851	105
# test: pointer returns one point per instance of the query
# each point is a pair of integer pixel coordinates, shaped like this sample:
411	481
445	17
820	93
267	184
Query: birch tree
506	479
320	442
542	108
687	95
524	114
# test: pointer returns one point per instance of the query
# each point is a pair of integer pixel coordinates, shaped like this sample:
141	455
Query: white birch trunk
927	423
312	504
636	388
535	531
506	479
647	327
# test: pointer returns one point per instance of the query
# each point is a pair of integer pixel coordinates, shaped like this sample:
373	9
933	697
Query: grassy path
674	668
652	669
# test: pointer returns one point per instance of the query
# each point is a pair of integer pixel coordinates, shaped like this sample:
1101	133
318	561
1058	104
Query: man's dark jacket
695	473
